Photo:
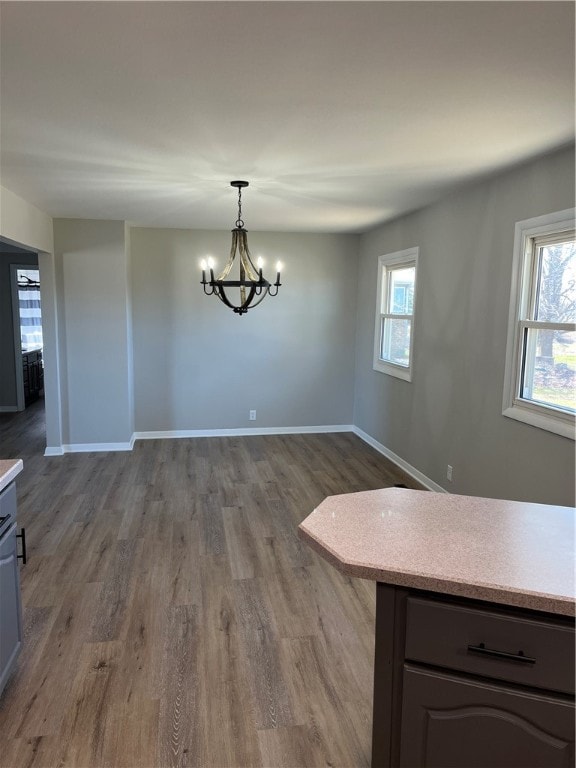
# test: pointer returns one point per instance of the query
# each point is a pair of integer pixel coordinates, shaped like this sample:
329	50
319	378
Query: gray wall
451	413
95	353
8	395
197	365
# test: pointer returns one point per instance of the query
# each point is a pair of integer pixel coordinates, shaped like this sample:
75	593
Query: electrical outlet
252	415
449	473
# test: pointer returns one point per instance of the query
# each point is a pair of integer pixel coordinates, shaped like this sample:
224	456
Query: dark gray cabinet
464	684
33	375
10	600
452	722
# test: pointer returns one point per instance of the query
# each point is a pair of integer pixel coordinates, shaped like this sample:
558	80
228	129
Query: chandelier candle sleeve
252	284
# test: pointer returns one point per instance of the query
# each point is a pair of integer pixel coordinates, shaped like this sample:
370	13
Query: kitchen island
474	660
9	471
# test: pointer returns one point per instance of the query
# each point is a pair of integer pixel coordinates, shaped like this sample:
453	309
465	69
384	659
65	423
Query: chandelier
253	286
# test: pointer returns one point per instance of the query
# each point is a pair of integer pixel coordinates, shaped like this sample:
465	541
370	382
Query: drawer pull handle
481	649
22	537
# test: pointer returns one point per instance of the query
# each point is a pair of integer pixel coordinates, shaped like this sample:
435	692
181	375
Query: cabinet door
10	607
26	379
33	373
457	722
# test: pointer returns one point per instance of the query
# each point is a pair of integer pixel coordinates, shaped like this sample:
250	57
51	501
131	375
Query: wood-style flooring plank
242	546
184	564
317	687
261	643
34	752
90	707
292	747
180	737
114	598
230	709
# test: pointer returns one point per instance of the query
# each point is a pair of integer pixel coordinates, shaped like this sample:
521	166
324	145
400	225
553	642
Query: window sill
393	370
556	424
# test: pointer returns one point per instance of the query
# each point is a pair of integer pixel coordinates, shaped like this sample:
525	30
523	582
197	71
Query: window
30	312
393	335
540	379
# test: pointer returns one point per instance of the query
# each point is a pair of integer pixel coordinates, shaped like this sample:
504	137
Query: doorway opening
16	340
28	339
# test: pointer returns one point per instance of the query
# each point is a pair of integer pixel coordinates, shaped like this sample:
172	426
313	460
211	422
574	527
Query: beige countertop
9	469
506	552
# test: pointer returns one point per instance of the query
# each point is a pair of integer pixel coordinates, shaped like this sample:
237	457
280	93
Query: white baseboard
59	451
8	408
241	432
89	448
244	432
180	433
408	468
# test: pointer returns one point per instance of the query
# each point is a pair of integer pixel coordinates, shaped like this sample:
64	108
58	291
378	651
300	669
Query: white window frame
386	263
523	266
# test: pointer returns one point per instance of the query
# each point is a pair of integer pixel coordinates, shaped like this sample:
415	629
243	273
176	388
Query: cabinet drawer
534	652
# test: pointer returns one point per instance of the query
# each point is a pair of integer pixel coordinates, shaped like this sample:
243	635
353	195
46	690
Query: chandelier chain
239	222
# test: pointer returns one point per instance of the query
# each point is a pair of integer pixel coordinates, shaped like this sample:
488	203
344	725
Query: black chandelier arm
204	283
243	308
265	290
260	288
262	295
219	291
261	298
275	285
247	304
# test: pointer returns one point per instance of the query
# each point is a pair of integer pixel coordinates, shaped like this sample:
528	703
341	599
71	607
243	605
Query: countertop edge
17	465
489	593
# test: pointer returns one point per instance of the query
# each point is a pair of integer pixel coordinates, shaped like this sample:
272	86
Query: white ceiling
340	114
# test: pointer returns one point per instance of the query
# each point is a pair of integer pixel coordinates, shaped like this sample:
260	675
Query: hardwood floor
173	617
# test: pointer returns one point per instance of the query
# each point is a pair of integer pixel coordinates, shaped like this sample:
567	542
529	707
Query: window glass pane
30	309
556	300
395	346
401	291
549	375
